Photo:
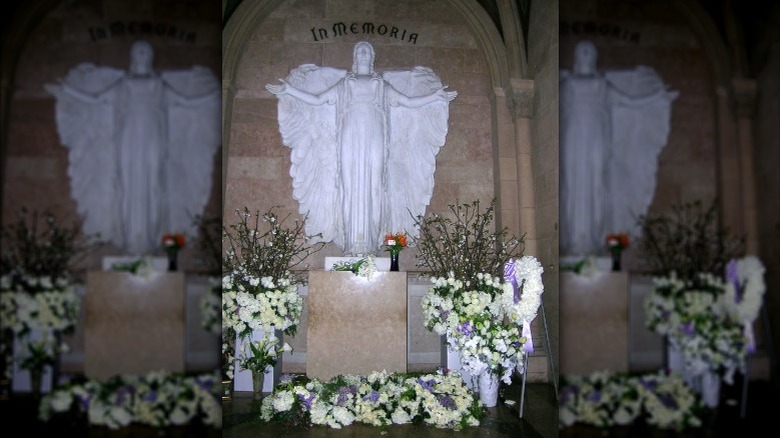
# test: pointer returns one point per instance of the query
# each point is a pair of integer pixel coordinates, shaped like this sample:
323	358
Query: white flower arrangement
364	267
37	305
744	293
53	307
257	356
709	319
158	399
438	399
270	305
483	321
606	399
210	304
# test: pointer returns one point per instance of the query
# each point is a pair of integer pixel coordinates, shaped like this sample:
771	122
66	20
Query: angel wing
194	136
416	135
310	133
639	133
85	127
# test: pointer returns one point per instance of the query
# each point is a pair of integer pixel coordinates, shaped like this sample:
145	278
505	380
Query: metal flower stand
550	361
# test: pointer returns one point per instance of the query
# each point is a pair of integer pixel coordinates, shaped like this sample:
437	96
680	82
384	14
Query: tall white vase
488	388
710	388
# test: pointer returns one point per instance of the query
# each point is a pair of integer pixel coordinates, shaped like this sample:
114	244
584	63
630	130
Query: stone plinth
355	325
594	328
133	325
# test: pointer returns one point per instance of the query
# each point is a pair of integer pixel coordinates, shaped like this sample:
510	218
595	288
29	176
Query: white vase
488	388
710	388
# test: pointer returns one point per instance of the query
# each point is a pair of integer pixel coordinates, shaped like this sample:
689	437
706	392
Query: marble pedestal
594	329
133	325
355	325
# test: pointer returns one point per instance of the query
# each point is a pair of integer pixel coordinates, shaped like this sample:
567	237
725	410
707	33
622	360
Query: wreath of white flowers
528	274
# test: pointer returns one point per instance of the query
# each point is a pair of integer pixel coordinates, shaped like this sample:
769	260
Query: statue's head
585	55
141	56
362	50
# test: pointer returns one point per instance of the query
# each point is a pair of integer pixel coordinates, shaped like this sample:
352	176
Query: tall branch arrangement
209	245
465	243
687	241
274	252
36	246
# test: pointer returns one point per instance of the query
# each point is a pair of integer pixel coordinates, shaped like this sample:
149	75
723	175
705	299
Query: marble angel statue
614	124
141	147
363	147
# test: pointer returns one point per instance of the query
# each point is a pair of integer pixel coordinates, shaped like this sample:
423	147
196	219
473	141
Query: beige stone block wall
36	164
687	166
258	164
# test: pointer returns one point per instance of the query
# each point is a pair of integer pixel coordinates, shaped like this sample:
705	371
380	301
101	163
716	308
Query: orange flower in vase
394	243
616	243
172	244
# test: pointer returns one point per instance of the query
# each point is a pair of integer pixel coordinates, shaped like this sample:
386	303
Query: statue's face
585	58
141	58
363	55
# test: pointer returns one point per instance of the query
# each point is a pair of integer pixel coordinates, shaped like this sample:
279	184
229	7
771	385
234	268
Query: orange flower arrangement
617	241
395	242
173	242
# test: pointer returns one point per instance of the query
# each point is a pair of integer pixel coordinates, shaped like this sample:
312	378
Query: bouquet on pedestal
259	289
483	315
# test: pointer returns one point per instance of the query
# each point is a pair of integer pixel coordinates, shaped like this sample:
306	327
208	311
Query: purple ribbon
509	275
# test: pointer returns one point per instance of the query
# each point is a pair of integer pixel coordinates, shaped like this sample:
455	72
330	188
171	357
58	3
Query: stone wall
182	34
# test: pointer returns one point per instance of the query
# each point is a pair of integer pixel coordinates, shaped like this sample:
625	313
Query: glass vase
615	261
258	379
394	261
36	378
172	261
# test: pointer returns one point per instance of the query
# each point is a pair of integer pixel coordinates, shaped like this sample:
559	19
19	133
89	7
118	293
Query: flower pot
258	379
488	388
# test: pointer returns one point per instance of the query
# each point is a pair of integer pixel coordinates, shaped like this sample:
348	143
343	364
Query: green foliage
464	243
687	241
